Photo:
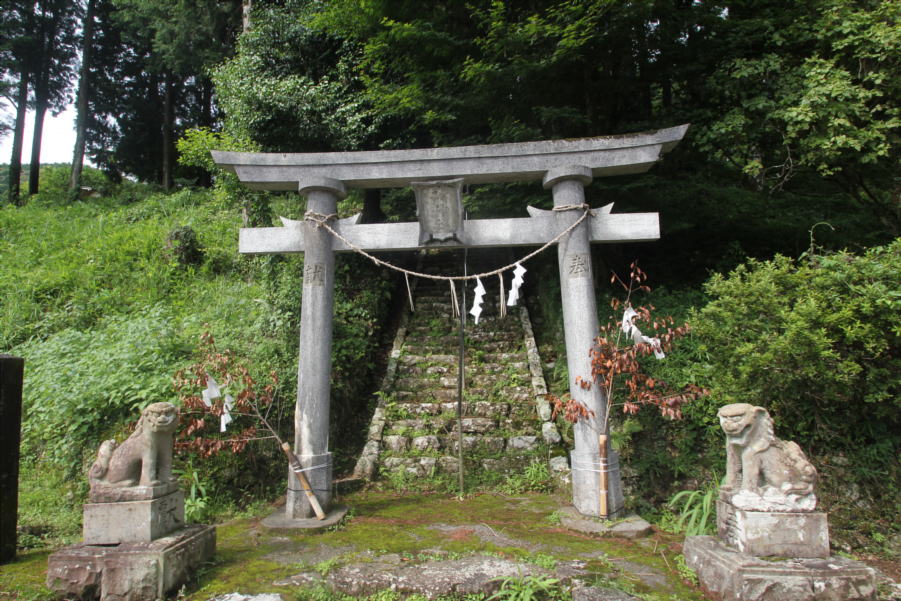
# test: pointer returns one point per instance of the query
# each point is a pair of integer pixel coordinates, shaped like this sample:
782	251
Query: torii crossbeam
564	166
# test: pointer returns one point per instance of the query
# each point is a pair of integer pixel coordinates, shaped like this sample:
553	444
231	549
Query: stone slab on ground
130	571
441	577
133	521
629	527
736	576
773	533
280	519
597	593
240	597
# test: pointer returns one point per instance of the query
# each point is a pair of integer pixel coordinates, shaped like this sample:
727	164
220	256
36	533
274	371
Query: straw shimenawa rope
320	220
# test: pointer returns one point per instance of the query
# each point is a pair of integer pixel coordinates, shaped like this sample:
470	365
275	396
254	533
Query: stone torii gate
564	166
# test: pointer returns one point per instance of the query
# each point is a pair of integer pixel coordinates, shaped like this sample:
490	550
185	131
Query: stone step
512	394
423	467
397	445
520	367
441	343
471	380
504	358
474	409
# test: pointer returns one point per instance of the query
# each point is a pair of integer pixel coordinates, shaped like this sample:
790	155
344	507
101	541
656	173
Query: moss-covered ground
418	527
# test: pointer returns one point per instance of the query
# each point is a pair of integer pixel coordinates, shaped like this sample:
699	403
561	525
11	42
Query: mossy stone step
475	409
520	367
512	394
471	380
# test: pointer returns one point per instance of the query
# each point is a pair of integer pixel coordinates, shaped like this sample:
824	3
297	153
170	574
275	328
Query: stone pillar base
131	571
773	533
586	488
320	479
133	521
736	576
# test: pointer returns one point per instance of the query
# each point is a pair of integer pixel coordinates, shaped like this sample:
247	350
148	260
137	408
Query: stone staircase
506	419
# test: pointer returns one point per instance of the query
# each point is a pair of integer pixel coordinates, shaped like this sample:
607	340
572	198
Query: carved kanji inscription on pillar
578	265
314	274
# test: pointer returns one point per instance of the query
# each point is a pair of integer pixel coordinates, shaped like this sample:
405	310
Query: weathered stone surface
597	593
281	520
763	473
629	527
240	597
475	574
133	521
396	444
773	534
144	459
585	483
130	571
101	494
549	433
736	576
523	443
426	443
478	424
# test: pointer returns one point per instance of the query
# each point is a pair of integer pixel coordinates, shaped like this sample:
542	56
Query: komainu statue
145	458
763	473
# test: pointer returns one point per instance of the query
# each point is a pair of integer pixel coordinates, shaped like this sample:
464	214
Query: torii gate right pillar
580	324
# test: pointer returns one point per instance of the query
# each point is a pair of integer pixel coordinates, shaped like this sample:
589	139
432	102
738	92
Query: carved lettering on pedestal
578	265
314	274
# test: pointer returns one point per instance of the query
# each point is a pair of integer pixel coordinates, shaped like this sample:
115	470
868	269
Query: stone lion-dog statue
145	458
763	472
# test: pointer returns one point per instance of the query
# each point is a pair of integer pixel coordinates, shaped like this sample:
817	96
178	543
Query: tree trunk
245	15
81	104
167	132
15	161
40	111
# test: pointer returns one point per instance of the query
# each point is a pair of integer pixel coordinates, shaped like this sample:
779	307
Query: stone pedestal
736	576
133	521
773	533
135	571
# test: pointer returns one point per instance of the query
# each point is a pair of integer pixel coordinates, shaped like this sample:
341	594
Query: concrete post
11	370
580	325
311	417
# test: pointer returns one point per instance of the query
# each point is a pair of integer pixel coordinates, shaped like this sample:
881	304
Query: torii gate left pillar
314	370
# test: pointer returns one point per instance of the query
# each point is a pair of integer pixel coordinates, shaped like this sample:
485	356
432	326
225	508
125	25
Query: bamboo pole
304	483
603	510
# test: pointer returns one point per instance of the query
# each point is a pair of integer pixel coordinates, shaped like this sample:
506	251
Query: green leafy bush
80	385
816	342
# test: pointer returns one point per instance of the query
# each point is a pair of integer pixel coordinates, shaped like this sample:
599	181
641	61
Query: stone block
736	576
133	521
396	444
131	571
772	533
478	425
523	443
549	433
426	443
112	494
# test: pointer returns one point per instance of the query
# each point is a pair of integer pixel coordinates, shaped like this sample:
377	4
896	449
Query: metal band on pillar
581	327
311	418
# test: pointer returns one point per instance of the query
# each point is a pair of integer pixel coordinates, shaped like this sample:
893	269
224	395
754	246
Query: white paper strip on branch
632	331
478	295
513	297
211	392
628	315
226	418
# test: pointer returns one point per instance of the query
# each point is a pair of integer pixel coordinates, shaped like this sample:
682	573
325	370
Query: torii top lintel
519	161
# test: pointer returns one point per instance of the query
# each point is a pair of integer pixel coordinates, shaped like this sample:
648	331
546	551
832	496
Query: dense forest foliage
779	211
